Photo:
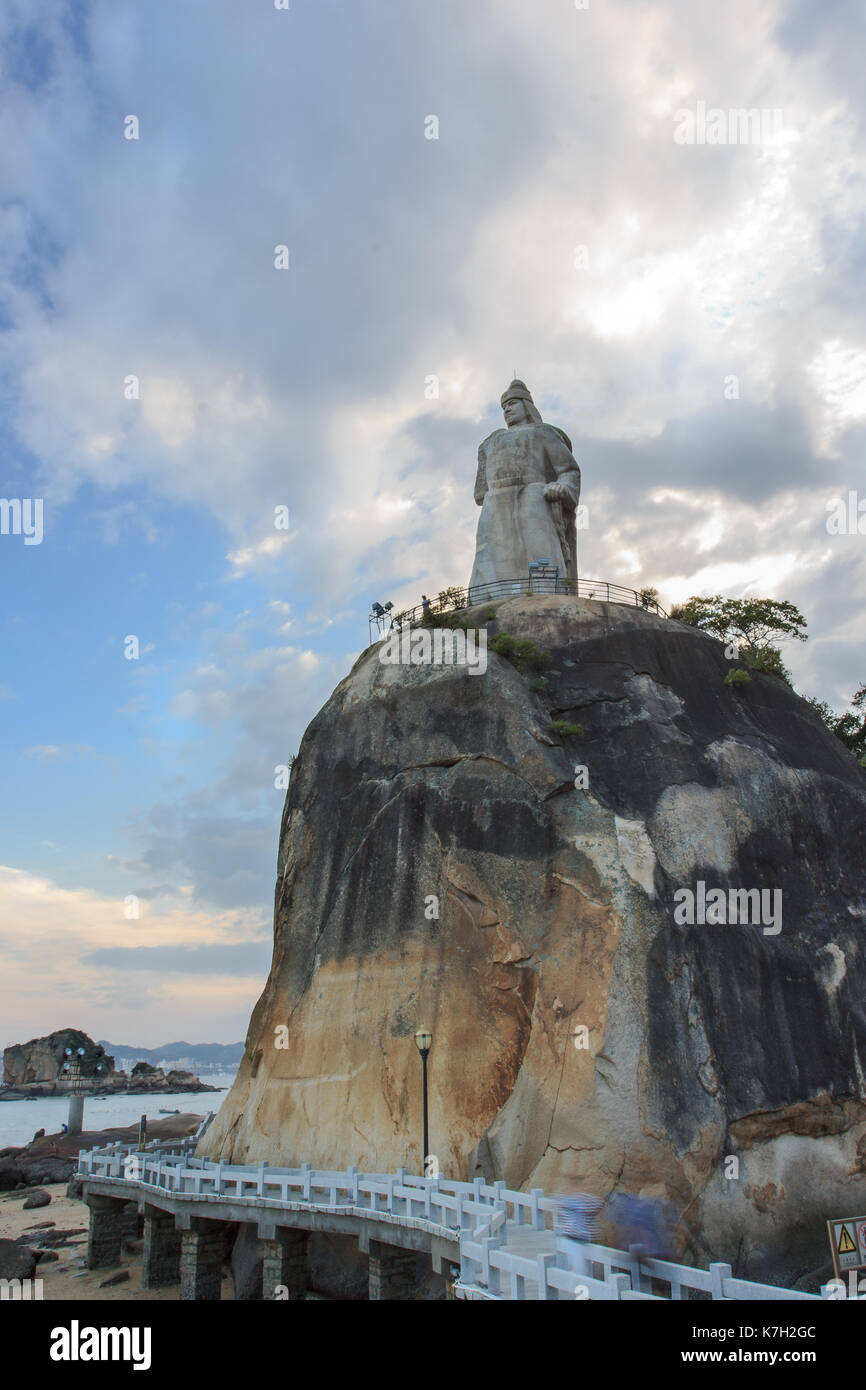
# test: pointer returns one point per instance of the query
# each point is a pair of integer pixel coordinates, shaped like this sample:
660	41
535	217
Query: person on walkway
648	1222
575	1228
425	603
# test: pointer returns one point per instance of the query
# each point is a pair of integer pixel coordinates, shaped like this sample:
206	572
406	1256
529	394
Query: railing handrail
476	1214
602	590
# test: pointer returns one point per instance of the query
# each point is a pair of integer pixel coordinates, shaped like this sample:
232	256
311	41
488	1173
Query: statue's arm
481	476
566	487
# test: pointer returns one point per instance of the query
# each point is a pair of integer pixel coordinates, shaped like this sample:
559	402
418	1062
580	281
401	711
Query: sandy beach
65	1279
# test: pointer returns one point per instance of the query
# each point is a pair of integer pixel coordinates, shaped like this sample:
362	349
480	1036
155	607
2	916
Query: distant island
50	1066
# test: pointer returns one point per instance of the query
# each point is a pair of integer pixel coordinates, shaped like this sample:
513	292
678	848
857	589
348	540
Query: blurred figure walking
647	1222
576	1227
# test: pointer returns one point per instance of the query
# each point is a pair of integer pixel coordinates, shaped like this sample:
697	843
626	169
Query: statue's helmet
517	391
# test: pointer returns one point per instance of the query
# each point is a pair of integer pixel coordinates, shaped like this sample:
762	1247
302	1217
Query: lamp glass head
424	1039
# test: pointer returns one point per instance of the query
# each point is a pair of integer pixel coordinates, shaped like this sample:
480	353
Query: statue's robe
518	524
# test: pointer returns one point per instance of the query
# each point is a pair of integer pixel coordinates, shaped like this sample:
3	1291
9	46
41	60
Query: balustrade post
538	1222
489	1272
718	1274
640	1281
407	1200
545	1262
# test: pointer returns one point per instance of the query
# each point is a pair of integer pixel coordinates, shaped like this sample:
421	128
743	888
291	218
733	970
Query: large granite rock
16	1261
41	1059
556	915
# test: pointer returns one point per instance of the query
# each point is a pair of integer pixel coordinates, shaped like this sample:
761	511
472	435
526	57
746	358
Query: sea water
20	1119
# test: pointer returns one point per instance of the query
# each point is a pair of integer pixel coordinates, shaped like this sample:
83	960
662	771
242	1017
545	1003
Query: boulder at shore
442	861
55	1157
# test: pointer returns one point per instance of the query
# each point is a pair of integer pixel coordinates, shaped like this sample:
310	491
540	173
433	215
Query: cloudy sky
692	314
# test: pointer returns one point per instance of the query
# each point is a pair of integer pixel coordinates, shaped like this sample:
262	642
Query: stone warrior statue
528	488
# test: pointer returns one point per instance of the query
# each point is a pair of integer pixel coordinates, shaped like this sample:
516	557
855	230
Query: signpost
848	1243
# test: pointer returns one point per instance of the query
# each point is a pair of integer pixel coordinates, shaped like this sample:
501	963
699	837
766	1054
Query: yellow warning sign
847	1243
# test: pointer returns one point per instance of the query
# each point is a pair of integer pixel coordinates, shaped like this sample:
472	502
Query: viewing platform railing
452	600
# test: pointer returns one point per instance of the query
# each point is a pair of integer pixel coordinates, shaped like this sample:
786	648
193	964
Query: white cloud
47	934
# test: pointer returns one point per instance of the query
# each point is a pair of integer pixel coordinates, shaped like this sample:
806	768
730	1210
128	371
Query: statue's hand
558	492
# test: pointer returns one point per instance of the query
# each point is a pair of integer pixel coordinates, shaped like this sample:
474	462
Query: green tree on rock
751	627
850	727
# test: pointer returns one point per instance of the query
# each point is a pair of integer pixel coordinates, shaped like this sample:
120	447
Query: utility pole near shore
75	1119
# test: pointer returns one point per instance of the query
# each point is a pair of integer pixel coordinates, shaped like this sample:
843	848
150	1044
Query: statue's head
517	406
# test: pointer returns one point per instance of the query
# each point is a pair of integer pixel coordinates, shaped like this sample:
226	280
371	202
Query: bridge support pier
161	1258
129	1222
201	1260
108	1226
392	1272
284	1266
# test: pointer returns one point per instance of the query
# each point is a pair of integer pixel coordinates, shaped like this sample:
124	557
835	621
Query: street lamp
75	1118
424	1042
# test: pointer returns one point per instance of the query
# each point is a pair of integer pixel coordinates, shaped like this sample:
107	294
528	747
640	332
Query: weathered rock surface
30	1168
41	1060
16	1261
556	914
55	1158
38	1198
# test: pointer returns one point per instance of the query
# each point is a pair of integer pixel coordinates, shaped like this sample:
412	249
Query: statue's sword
561	523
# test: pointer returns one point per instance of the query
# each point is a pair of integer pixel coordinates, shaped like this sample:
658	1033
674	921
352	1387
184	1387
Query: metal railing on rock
482	1219
453	600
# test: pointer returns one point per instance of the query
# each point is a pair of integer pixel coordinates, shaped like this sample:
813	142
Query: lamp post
424	1041
75	1119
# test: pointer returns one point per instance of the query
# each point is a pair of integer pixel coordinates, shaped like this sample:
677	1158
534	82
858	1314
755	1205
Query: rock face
582	1034
16	1261
38	1198
41	1060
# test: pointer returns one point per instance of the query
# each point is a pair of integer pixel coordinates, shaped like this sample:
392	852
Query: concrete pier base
129	1221
161	1260
106	1231
201	1260
392	1273
284	1268
75	1117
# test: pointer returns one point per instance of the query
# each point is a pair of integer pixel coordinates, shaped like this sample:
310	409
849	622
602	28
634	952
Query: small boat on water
169	1112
